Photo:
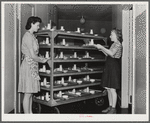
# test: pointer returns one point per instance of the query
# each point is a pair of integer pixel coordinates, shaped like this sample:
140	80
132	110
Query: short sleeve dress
29	76
111	77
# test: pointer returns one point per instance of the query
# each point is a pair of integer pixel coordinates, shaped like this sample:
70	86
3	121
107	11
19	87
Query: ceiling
89	12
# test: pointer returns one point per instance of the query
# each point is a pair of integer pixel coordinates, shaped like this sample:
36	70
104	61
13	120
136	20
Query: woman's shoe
112	111
107	109
105	92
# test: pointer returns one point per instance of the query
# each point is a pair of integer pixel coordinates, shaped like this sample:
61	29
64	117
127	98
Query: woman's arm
107	51
28	40
36	58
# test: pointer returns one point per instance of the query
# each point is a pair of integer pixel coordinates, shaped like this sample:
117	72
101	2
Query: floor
82	107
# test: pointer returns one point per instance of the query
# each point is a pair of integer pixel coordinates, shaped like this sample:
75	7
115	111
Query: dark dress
112	73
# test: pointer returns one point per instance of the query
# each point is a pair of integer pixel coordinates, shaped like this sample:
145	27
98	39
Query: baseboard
11	112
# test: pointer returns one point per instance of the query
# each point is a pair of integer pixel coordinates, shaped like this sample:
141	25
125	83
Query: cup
47	55
60	67
78	29
45	81
47	96
60	93
87	78
91	31
62	28
63	42
44	68
42	97
73	91
42	83
87	89
61	55
48	26
87	54
62	80
75	54
69	79
47	40
74	67
92	42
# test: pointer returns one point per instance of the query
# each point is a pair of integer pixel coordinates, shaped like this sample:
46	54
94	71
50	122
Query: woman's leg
114	97
30	108
26	103
110	98
110	101
114	101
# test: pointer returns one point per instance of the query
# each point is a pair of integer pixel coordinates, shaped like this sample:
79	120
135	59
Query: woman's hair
118	33
33	20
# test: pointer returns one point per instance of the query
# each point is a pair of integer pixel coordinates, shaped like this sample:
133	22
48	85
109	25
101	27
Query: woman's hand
44	60
98	46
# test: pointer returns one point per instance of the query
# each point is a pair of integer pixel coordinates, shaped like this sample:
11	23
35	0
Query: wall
117	16
53	14
140	59
9	58
72	25
42	11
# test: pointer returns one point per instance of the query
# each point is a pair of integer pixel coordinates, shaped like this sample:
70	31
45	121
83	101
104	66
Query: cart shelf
59	101
71	86
69	47
54	49
69	74
66	34
81	60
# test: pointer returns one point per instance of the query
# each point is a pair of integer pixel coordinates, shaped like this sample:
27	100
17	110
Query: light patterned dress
29	76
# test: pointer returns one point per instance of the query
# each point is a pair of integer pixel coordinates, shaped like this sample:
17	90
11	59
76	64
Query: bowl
48	71
64	84
74	80
92	92
48	85
78	93
41	70
65	96
65	71
58	82
79	81
92	80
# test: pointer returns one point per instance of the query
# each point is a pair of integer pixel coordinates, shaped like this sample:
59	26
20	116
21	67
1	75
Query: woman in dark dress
111	78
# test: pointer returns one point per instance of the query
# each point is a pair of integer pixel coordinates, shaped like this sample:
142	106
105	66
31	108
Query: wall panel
9	58
140	62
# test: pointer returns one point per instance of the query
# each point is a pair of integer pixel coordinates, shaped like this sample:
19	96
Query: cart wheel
99	101
36	107
55	110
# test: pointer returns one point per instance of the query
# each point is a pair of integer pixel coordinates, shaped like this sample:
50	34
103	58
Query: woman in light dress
29	75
